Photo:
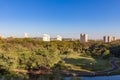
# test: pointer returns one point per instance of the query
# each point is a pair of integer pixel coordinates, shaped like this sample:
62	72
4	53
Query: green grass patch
77	62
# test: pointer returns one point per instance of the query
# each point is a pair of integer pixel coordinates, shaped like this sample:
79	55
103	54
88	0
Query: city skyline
82	37
67	18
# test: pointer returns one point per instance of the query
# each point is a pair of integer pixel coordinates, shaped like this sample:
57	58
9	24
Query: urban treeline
34	54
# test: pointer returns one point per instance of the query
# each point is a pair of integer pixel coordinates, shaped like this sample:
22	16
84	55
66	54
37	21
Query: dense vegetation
33	54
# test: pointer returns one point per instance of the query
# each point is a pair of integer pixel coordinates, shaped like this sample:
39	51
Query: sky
67	18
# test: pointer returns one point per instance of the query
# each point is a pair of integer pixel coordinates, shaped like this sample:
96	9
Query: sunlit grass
80	63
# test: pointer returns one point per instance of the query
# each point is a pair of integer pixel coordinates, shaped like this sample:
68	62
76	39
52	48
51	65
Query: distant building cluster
46	37
109	38
83	38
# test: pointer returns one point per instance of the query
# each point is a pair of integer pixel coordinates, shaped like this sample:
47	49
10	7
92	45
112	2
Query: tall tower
105	39
84	37
81	37
109	39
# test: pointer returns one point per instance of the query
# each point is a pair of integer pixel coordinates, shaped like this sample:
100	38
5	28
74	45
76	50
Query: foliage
28	53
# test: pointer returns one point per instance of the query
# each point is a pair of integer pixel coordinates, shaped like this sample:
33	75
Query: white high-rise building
84	37
46	37
113	38
105	39
59	38
26	35
108	38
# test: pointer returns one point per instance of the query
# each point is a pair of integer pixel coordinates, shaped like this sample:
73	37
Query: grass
80	63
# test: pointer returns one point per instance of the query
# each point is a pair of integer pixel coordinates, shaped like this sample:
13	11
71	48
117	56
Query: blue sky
68	18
